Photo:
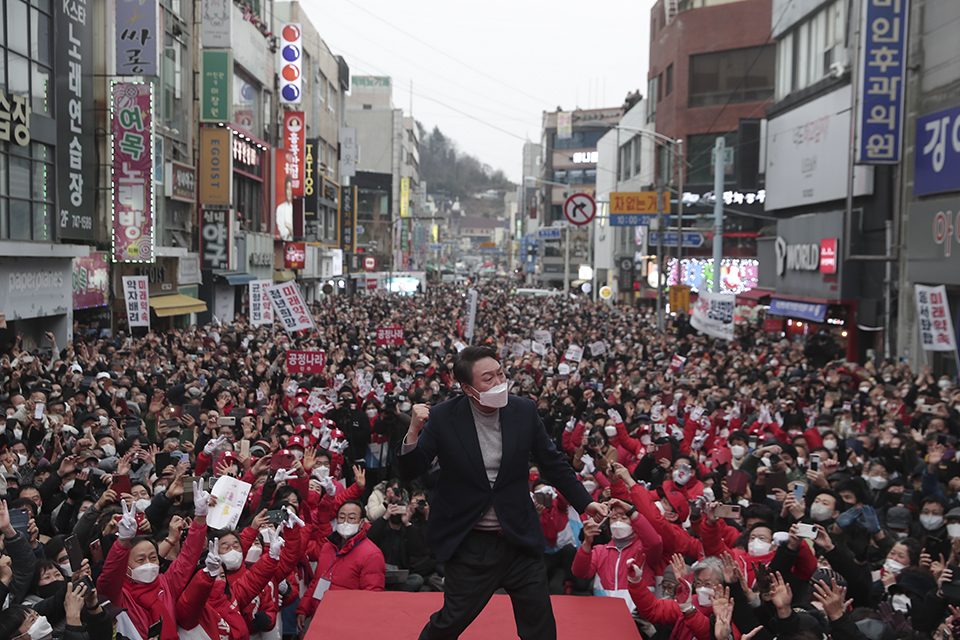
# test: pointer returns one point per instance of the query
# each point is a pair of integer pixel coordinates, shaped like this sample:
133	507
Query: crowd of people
756	488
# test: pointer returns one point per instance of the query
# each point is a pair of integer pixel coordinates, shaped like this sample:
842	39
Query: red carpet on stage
371	615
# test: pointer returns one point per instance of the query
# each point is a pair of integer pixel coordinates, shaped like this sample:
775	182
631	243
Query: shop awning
755	294
176	304
283	275
235	278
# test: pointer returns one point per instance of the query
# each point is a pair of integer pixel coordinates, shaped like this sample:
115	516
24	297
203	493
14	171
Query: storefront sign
34	287
294	255
76	185
306	361
215	239
215	174
131	113
637	202
348	218
311	188
807	151
247	156
791	260
216	77
291	63
389	336
796	257
289	308
137	31
293	131
404	197
182	184
773	325
283	190
348	152
216	27
882	79
933	241
261	310
679	298
933	319
801	310
828	255
91	277
136	299
713	314
14	119
936	160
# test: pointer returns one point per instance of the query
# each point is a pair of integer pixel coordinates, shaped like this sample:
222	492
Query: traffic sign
580	208
637	202
436	247
550	233
369	263
606	292
690	238
635	219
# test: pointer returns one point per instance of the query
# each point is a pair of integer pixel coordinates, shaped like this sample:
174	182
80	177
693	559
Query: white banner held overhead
574	353
713	314
261	309
598	348
472	297
136	298
934	320
543	336
289	307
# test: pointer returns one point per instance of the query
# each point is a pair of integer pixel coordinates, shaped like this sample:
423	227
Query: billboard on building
215	167
216	79
291	63
293	133
131	116
137	33
284	209
216	25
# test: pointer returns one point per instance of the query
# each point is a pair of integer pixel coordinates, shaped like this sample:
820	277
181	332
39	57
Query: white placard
517	349
933	319
289	306
231	495
136	298
598	348
472	297
261	309
543	336
713	314
574	353
537	348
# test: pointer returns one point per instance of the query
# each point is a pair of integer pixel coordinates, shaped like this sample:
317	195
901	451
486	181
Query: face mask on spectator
591	486
17	433
109	450
348	529
404	406
22	458
50	589
610	430
876	482
943	384
254	554
371	413
231	559
40	629
703	596
738	451
145	573
321	472
820	512
953	530
620	530
931	522
495	397
894	567
142	504
645	440
830	445
69	485
66	569
297	454
758	547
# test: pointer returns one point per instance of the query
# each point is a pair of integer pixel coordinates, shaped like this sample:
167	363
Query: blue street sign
550	233
436	247
635	219
690	239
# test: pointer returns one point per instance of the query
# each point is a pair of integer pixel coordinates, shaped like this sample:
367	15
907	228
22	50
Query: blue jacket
464	494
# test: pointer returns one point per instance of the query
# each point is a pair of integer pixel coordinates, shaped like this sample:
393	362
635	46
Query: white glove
696	413
779	418
634	571
764	415
325	437
328	486
201	501
283	587
655	412
273	541
212	563
338	447
571	424
615	416
588	465
213	445
293	519
699	440
282	475
127	527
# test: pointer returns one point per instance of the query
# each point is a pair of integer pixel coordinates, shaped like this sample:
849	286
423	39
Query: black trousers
483	563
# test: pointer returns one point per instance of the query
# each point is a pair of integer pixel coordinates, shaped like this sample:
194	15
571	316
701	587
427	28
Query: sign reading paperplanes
291	63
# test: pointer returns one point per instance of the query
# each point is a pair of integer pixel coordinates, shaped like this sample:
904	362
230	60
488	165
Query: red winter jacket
714	545
357	564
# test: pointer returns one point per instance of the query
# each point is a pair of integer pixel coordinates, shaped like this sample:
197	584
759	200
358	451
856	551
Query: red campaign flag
677	363
306	361
389	336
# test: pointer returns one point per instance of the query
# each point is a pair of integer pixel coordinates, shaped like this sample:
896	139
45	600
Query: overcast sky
485	71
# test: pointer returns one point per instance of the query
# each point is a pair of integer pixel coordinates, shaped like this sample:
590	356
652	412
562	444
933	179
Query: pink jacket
608	565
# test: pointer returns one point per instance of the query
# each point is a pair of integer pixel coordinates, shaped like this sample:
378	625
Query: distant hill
453	173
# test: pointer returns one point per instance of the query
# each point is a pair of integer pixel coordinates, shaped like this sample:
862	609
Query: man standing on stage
483	525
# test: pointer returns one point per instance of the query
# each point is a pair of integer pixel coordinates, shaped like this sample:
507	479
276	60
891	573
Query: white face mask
17	433
231	559
495	398
738	451
69	485
109	450
703	596
758	547
659	505
591	486
610	430
894	567
953	530
40	629
404	406
22	457
297	454
348	529
620	530
645	440
876	482
371	413
900	602
820	512
254	554
931	523
142	504
145	573
830	445
321	472
67	569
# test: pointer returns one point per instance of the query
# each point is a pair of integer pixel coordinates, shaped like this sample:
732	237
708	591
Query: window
660	87
173	108
624	164
805	55
635	148
740	75
27	70
630	158
580	139
651	103
26	182
669	88
322	83
700	157
331	98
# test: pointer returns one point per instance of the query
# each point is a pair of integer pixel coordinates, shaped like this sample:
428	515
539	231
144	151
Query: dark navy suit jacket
463	492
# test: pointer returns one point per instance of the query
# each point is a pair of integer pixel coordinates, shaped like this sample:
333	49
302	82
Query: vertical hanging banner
136	299
91	278
933	319
472	297
131	117
311	188
404	197
293	142
291	63
713	314
216	24
216	166
564	125
76	186
216	80
348	218
289	307
261	310
882	78
137	33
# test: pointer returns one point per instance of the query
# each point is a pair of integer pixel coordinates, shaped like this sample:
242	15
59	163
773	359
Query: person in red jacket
131	576
683	479
348	560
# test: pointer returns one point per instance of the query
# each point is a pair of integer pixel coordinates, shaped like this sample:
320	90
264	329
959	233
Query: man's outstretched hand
597	511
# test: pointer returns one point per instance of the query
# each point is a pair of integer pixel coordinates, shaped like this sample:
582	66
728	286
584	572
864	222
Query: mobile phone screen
72	548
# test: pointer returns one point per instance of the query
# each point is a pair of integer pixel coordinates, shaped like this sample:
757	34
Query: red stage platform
371	615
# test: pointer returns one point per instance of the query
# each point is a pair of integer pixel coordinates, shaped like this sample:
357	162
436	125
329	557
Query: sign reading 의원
389	336
306	361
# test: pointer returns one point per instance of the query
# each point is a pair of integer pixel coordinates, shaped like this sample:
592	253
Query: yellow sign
606	292
638	202
488	245
680	298
404	197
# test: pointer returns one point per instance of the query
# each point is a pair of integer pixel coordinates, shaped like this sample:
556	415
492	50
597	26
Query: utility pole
661	228
679	157
566	261
718	152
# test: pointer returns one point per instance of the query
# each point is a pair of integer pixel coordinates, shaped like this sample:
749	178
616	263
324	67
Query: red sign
773	325
306	361
372	283
293	141
676	363
389	336
828	255
294	255
370	263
